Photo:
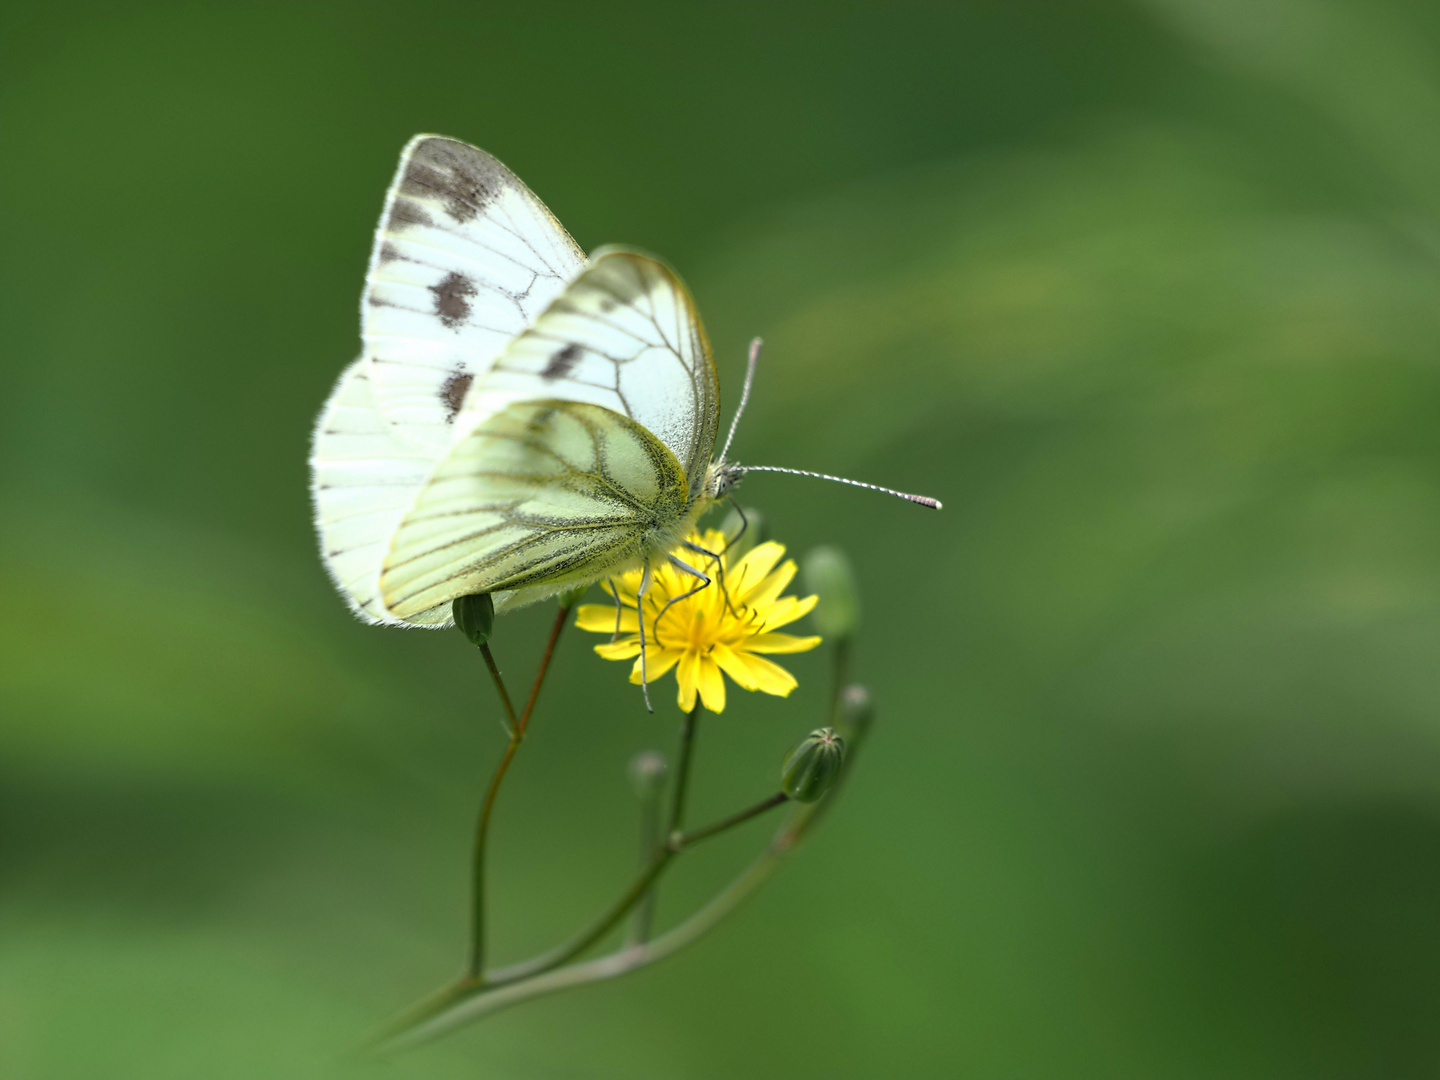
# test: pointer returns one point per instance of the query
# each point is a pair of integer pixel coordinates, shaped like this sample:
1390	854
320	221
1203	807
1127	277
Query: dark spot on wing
607	305
562	362
405	212
389	252
451	305
465	179
452	393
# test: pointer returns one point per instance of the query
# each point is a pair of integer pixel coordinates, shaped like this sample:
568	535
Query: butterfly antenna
923	500
640	611
744	395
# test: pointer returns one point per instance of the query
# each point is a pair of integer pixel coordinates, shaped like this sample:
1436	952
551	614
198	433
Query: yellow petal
657	662
768	677
786	610
750	571
712	685
623	649
688	676
768	590
600	619
734	666
778	643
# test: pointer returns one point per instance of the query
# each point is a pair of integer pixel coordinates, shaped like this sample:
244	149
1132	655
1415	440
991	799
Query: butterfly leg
704	584
619	610
640	611
719	572
744	524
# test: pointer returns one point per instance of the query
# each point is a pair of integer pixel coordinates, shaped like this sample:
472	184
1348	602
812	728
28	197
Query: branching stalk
546	973
518	727
480	995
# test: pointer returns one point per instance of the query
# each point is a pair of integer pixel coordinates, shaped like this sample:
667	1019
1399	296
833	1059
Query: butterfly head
721	478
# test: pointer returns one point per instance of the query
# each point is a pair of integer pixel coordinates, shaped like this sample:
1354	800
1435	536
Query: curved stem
555	629
644	915
694	837
500	688
544	974
518	725
594	932
682	771
465	1008
640	890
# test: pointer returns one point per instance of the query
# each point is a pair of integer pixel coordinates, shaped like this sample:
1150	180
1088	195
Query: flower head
715	630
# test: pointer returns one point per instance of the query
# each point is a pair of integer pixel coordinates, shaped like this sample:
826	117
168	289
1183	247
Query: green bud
828	575
857	711
810	770
647	774
740	543
475	617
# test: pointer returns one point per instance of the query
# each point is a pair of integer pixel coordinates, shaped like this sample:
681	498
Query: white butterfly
521	420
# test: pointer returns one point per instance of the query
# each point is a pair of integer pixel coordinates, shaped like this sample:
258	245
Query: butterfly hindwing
465	258
625	334
540	495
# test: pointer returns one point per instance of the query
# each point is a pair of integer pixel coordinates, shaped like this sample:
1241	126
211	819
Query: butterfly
522	419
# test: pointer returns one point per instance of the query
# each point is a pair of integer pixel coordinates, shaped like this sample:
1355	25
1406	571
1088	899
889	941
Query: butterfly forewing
625	335
364	479
465	258
542	494
522	420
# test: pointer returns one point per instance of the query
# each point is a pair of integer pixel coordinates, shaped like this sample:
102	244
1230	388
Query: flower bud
647	774
812	767
828	575
857	711
475	617
754	525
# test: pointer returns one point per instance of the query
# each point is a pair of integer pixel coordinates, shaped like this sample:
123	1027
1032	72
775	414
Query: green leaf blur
1148	294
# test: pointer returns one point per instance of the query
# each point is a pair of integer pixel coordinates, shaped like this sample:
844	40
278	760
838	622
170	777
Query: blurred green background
1146	293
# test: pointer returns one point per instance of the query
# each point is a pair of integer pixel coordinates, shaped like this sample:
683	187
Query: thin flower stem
645	909
518	726
734	819
559	625
593	933
644	916
500	688
682	771
841	671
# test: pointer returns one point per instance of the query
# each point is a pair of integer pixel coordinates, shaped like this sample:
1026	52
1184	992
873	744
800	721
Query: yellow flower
703	635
